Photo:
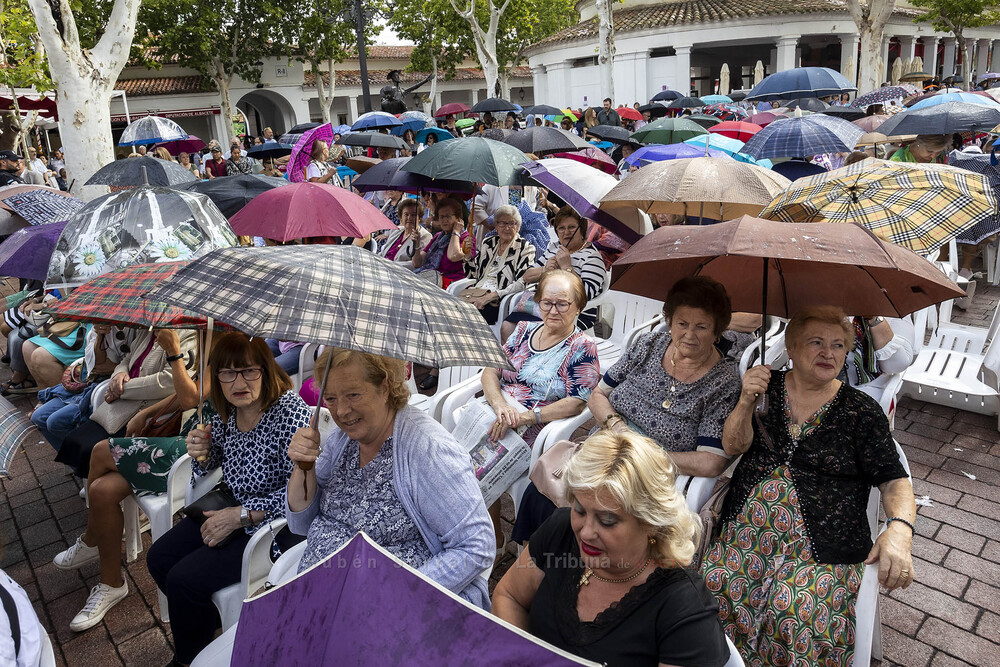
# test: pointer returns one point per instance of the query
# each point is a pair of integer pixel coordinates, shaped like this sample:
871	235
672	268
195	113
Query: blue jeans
61	413
288	361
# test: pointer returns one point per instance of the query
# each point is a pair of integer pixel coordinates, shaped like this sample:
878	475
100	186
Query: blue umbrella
716	99
942	119
412	120
660	152
968	98
801	82
731	147
342	129
374	120
667	95
804	137
442	135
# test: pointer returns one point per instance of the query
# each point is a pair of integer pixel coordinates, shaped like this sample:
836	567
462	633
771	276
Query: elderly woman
606	578
391	471
184	160
795	537
450	247
501	261
257	414
400	244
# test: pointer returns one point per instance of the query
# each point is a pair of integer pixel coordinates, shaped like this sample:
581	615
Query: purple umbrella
26	253
660	152
299	159
189	144
363	606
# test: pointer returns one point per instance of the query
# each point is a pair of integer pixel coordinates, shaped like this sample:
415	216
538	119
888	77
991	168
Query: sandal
27	386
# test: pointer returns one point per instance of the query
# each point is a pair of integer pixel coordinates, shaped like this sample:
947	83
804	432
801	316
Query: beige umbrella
907	64
872	139
724	79
758	73
917	65
897	70
709	187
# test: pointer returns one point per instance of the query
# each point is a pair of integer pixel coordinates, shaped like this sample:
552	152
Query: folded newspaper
498	463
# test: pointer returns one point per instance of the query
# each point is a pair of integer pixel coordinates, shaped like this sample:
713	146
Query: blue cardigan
435	482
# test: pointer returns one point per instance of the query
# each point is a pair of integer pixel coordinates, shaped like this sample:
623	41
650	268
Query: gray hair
509	211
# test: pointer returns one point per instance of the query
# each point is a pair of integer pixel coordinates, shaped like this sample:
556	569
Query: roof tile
165	85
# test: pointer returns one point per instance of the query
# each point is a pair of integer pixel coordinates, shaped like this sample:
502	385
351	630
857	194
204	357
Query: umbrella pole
761	405
306	466
203	364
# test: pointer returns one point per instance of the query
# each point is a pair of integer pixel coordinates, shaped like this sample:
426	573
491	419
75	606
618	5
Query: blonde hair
640	476
162	153
378	369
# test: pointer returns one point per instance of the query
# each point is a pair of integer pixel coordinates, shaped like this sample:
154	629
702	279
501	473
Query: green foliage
436	30
955	15
321	30
526	22
21	66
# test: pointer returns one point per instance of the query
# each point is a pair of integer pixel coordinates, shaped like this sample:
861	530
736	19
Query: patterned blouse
359	499
697	411
255	464
518	259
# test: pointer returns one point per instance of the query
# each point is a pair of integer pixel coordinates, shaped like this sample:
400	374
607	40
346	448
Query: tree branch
71	36
116	42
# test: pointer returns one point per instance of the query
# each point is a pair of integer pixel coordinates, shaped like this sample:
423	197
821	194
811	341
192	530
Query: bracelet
902	521
611	416
175	357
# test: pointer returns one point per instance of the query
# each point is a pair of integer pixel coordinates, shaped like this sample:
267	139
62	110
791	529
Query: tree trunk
870	21
432	95
223	81
966	70
324	101
606	47
503	82
491	68
485	40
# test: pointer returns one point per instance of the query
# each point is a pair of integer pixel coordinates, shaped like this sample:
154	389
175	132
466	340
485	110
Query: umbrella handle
201	379
306	466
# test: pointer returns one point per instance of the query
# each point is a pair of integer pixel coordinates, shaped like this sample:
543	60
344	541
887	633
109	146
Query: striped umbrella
917	206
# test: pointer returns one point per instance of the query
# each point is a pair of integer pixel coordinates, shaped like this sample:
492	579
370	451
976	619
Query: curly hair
703	293
831	315
378	369
640	476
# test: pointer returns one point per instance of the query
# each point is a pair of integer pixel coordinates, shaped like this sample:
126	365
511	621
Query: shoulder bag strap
10	607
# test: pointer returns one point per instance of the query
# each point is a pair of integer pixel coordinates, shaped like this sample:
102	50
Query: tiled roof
377	78
379	52
687	12
165	85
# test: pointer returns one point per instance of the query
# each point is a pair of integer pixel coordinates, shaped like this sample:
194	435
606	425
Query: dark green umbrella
669	131
470	159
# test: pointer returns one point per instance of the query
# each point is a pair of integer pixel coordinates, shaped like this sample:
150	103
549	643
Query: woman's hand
619	426
892	553
136	423
485	300
199	442
507	417
755	383
304	446
116	387
563	259
219	523
168	340
102	329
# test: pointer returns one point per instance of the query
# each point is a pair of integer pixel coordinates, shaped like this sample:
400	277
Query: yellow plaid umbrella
917	206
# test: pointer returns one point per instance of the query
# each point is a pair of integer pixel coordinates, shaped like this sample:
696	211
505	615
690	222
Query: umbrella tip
145	180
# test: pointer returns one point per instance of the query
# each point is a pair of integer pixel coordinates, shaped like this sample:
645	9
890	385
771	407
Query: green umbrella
669	131
470	159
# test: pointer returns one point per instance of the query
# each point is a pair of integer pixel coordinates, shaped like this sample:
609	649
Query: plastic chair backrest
630	312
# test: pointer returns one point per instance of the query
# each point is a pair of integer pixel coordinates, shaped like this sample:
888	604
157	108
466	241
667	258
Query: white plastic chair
964	337
992	261
735	659
308	354
629	311
253	574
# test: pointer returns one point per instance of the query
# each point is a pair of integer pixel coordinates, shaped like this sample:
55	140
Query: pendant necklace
589	572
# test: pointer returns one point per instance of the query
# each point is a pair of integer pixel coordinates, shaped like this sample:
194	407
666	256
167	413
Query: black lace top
671	618
834	468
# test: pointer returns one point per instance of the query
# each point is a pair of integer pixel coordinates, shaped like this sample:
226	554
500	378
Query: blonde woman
606	577
162	153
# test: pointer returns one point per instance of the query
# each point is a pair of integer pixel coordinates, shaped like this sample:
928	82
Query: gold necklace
589	572
668	401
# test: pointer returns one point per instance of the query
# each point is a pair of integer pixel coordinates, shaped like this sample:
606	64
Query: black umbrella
655	109
302	127
686	103
266	151
493	105
668	95
386	175
372	139
946	118
497	133
738	95
232	193
612	133
704	120
128	173
542	110
847	113
808	104
544	140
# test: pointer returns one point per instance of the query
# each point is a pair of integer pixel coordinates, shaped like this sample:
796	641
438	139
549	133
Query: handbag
165	422
72	378
113	417
710	515
547	474
469	294
219	498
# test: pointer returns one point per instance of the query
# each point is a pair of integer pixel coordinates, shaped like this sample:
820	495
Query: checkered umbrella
14	428
881	96
917	206
804	137
985	165
334	295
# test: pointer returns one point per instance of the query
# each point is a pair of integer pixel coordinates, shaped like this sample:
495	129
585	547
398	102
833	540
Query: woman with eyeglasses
501	261
257	414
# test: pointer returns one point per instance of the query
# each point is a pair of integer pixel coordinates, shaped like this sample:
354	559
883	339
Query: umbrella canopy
302	128
704	120
300	155
871	123
307	210
495	105
545	140
716	99
189	144
666	95
979	164
727	111
130	173
806	265
387	176
765	118
412	120
542	110
968	98
916	76
582	188
808	104
872	139
917	206
11	222
455	108
16	427
655	109
270	151
612	133
151	130
687	103
339	295
439	134
728	145
374	120
593	157
39	205
804	137
628	113
471	159
668	131
944	118
141	225
736	129
373	140
845	113
881	96
117	298
361	164
231	193
712	187
800	82
26	252
660	152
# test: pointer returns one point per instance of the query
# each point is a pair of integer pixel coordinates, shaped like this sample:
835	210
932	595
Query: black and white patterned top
255	464
363	499
697	412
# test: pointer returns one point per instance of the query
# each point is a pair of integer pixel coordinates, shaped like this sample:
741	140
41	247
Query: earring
652	540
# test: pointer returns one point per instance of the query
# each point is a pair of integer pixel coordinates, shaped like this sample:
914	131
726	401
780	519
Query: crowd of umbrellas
164	252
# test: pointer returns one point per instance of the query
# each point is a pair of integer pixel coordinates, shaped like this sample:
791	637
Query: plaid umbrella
299	158
334	295
979	164
14	428
917	206
668	131
151	130
804	137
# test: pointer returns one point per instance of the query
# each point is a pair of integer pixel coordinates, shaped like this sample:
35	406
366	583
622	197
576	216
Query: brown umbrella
718	188
871	123
362	164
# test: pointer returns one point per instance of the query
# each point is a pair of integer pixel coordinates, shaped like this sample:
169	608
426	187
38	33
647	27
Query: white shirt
31	630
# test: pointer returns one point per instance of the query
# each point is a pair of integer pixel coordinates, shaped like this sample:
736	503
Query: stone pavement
947	617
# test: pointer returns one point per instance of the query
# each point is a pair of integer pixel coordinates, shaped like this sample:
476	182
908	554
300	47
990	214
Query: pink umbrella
299	159
595	157
189	144
455	108
307	210
765	118
736	129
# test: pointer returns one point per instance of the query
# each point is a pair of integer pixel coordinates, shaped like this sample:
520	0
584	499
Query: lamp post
359	29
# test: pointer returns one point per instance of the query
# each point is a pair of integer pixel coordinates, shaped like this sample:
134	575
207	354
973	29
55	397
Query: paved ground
947	617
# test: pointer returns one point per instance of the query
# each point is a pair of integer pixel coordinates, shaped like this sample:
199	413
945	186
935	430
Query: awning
175	113
46	106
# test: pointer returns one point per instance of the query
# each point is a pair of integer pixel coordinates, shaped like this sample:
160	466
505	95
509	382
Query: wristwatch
538	414
245	520
875	321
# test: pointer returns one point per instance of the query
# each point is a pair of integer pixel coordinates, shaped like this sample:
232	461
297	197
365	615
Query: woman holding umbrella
450	247
795	536
318	171
400	244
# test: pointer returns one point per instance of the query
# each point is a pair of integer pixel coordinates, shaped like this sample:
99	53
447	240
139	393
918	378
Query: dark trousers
79	443
188	572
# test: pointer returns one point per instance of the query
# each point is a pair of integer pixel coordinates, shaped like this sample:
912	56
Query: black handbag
219	498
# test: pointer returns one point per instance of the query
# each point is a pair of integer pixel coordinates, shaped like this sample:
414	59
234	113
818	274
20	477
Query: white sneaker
102	598
76	556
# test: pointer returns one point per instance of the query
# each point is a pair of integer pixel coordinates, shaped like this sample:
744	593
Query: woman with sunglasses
257	414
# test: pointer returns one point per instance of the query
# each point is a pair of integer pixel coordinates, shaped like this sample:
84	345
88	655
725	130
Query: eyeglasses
509	223
228	375
559	306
